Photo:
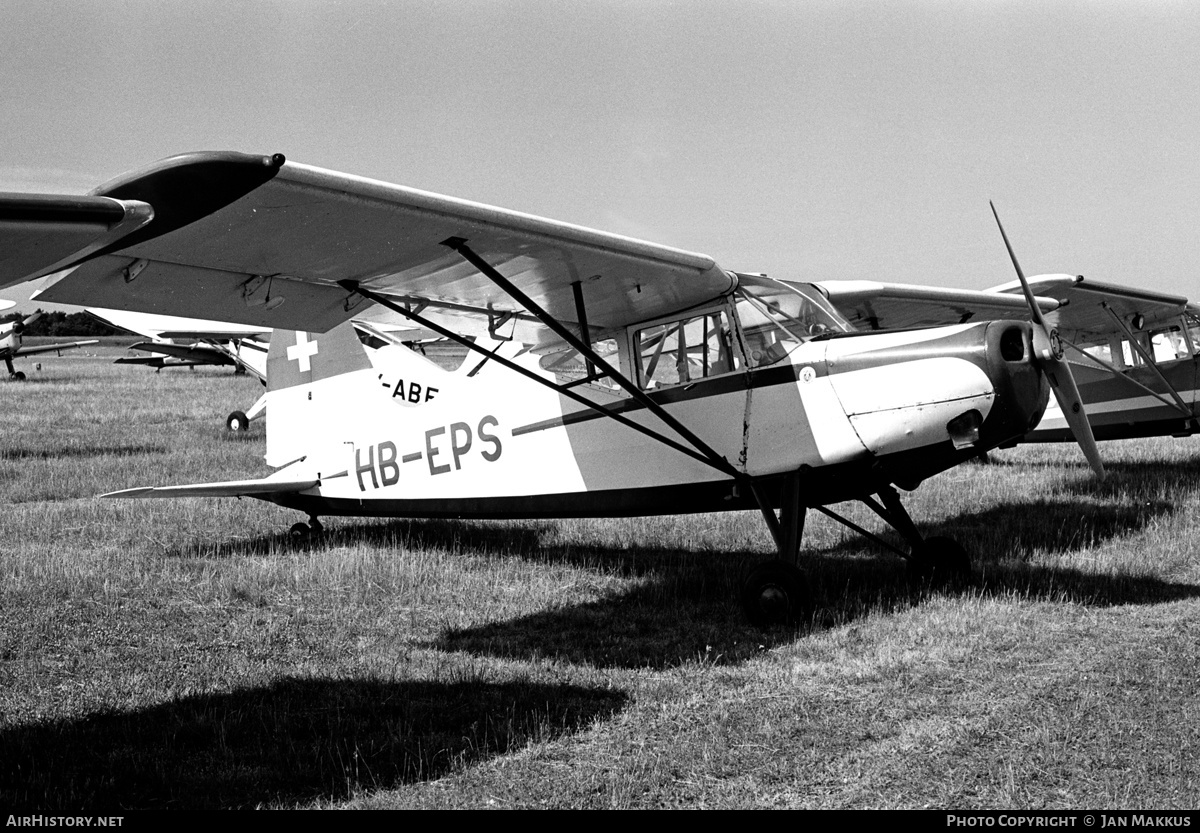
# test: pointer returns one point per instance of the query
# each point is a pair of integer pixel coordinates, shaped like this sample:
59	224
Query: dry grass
186	654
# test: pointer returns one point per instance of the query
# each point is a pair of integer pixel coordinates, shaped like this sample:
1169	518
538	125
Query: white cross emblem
301	351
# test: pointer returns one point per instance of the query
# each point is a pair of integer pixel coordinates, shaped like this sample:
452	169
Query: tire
776	594
237	422
939	561
299	532
19	376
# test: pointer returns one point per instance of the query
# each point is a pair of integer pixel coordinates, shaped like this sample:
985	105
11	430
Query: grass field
162	654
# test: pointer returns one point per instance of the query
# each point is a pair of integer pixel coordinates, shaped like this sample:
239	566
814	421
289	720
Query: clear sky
810	140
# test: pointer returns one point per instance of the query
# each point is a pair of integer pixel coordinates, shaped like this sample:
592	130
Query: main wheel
299	532
940	560
777	593
237	421
19	376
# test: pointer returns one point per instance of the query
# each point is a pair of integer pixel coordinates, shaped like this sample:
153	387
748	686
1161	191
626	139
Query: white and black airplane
652	379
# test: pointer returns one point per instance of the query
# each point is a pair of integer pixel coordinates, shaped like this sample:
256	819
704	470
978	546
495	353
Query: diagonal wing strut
459	245
505	362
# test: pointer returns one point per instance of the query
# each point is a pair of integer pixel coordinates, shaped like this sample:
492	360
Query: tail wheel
237	422
777	594
940	560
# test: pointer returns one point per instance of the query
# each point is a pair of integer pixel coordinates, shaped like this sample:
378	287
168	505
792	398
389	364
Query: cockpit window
685	350
777	317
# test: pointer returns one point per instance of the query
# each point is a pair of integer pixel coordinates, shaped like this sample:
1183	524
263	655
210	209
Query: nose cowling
925	400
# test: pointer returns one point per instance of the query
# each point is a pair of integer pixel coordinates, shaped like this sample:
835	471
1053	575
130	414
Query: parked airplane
1134	353
656	381
189	342
173	341
12	344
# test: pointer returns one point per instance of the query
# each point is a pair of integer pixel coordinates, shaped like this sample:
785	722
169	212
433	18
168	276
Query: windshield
777	317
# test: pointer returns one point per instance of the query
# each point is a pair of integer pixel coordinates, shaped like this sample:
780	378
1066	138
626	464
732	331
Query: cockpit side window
685	350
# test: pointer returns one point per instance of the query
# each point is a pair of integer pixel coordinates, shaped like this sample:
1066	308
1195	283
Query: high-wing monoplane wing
872	305
261	241
1089	308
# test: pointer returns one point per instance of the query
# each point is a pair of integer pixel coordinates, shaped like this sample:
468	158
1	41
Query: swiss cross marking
301	352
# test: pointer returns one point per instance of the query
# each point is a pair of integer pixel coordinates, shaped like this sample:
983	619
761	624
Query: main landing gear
777	593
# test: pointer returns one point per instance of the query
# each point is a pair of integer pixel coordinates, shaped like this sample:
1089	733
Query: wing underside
872	305
270	251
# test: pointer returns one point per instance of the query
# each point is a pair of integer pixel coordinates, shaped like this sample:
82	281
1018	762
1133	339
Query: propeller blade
1058	373
31	318
1048	352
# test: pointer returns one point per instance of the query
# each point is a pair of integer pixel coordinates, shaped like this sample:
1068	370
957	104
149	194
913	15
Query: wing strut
1122	376
459	245
1148	359
570	394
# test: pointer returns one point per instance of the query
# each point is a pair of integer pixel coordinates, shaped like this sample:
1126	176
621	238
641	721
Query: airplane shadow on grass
689	611
684	605
294	742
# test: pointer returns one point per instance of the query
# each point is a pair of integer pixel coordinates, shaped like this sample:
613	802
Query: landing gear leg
934	560
777	592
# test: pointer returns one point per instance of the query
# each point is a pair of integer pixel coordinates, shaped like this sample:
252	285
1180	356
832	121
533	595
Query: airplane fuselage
855	412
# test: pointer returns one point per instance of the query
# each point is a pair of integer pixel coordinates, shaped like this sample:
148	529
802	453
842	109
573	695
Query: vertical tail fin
310	393
297	358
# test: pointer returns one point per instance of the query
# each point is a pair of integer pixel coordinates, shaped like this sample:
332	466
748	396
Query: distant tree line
64	324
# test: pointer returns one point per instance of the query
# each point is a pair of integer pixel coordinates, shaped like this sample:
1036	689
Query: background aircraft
12	344
175	341
654	380
1134	353
190	342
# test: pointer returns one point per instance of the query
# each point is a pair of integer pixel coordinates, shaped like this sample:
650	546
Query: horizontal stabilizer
230	488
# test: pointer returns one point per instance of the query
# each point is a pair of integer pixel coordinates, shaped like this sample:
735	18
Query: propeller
20	326
1048	353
